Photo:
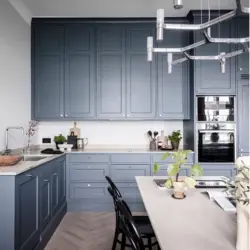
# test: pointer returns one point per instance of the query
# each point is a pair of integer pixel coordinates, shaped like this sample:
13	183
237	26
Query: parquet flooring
84	231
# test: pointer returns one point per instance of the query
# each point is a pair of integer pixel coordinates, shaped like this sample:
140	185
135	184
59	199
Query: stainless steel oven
216	145
215	108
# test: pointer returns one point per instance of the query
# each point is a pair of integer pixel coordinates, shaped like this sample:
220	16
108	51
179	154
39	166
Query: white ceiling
116	8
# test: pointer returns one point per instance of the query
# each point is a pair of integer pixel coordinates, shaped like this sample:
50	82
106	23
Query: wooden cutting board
75	130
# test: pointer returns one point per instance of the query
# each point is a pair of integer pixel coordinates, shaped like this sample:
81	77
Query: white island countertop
194	223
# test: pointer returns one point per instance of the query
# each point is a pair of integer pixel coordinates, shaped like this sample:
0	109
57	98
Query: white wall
113	133
14	72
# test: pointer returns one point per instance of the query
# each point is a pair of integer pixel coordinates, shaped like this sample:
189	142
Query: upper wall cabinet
140	74
207	75
63	71
48	72
173	89
79	71
243	31
111	71
99	71
243	116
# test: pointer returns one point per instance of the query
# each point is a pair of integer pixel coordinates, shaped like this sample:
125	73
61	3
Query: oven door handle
216	131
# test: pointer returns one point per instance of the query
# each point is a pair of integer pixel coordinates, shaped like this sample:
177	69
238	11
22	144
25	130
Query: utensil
155	134
150	134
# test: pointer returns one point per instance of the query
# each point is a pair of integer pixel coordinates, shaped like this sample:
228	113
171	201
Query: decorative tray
165	149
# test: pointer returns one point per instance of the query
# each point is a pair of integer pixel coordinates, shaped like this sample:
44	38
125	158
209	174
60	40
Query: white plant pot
243	230
179	189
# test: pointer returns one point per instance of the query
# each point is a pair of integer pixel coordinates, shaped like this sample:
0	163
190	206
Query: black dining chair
129	226
144	226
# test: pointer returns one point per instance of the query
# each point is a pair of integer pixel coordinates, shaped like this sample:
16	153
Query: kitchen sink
34	158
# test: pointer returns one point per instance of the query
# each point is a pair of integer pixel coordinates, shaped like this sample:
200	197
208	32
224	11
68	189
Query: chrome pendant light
151	49
225	40
222	56
178	26
178	4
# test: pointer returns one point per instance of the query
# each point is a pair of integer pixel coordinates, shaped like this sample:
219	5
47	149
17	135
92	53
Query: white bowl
62	147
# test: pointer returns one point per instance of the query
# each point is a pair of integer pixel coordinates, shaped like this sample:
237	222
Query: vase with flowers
31	132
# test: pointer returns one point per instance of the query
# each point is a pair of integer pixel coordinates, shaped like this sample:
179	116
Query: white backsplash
112	133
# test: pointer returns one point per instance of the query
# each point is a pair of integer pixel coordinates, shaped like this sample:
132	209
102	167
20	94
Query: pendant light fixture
178	26
225	40
178	4
151	49
222	56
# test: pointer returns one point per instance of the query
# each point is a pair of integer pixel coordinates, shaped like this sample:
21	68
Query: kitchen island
193	223
36	194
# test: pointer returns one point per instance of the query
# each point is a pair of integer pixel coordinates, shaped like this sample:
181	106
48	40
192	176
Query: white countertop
118	150
23	166
192	223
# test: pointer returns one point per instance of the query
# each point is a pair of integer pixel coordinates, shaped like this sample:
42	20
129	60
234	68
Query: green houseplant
175	139
179	185
59	139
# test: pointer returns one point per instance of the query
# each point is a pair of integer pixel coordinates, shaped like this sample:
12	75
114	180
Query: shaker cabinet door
243	116
242	29
79	71
45	201
140	74
207	73
110	71
48	72
173	88
27	209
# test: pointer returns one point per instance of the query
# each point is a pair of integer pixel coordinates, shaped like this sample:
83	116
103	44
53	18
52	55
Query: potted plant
175	139
60	139
179	185
239	188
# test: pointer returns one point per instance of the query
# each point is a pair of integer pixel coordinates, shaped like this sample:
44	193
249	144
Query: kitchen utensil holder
152	145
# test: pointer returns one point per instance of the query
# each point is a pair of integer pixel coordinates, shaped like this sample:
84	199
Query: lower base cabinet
227	170
27	210
34	204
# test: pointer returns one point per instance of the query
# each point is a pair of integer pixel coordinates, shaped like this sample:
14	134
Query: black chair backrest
114	187
129	226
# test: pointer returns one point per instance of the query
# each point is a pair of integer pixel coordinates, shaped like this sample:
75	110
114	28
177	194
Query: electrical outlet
46	140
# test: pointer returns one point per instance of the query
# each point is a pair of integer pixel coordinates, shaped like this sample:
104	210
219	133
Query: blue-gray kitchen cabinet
27	210
218	169
52	190
45	196
140	74
242	29
111	95
79	71
207	76
173	89
243	115
47	71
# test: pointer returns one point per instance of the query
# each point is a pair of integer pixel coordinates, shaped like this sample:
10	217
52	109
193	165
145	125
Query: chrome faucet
7	150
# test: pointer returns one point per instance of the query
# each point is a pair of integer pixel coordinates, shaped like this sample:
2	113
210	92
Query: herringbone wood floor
84	231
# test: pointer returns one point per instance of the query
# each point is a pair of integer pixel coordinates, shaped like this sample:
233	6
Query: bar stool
142	223
129	226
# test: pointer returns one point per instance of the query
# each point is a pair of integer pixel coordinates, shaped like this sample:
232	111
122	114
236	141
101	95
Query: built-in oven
216	144
215	108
